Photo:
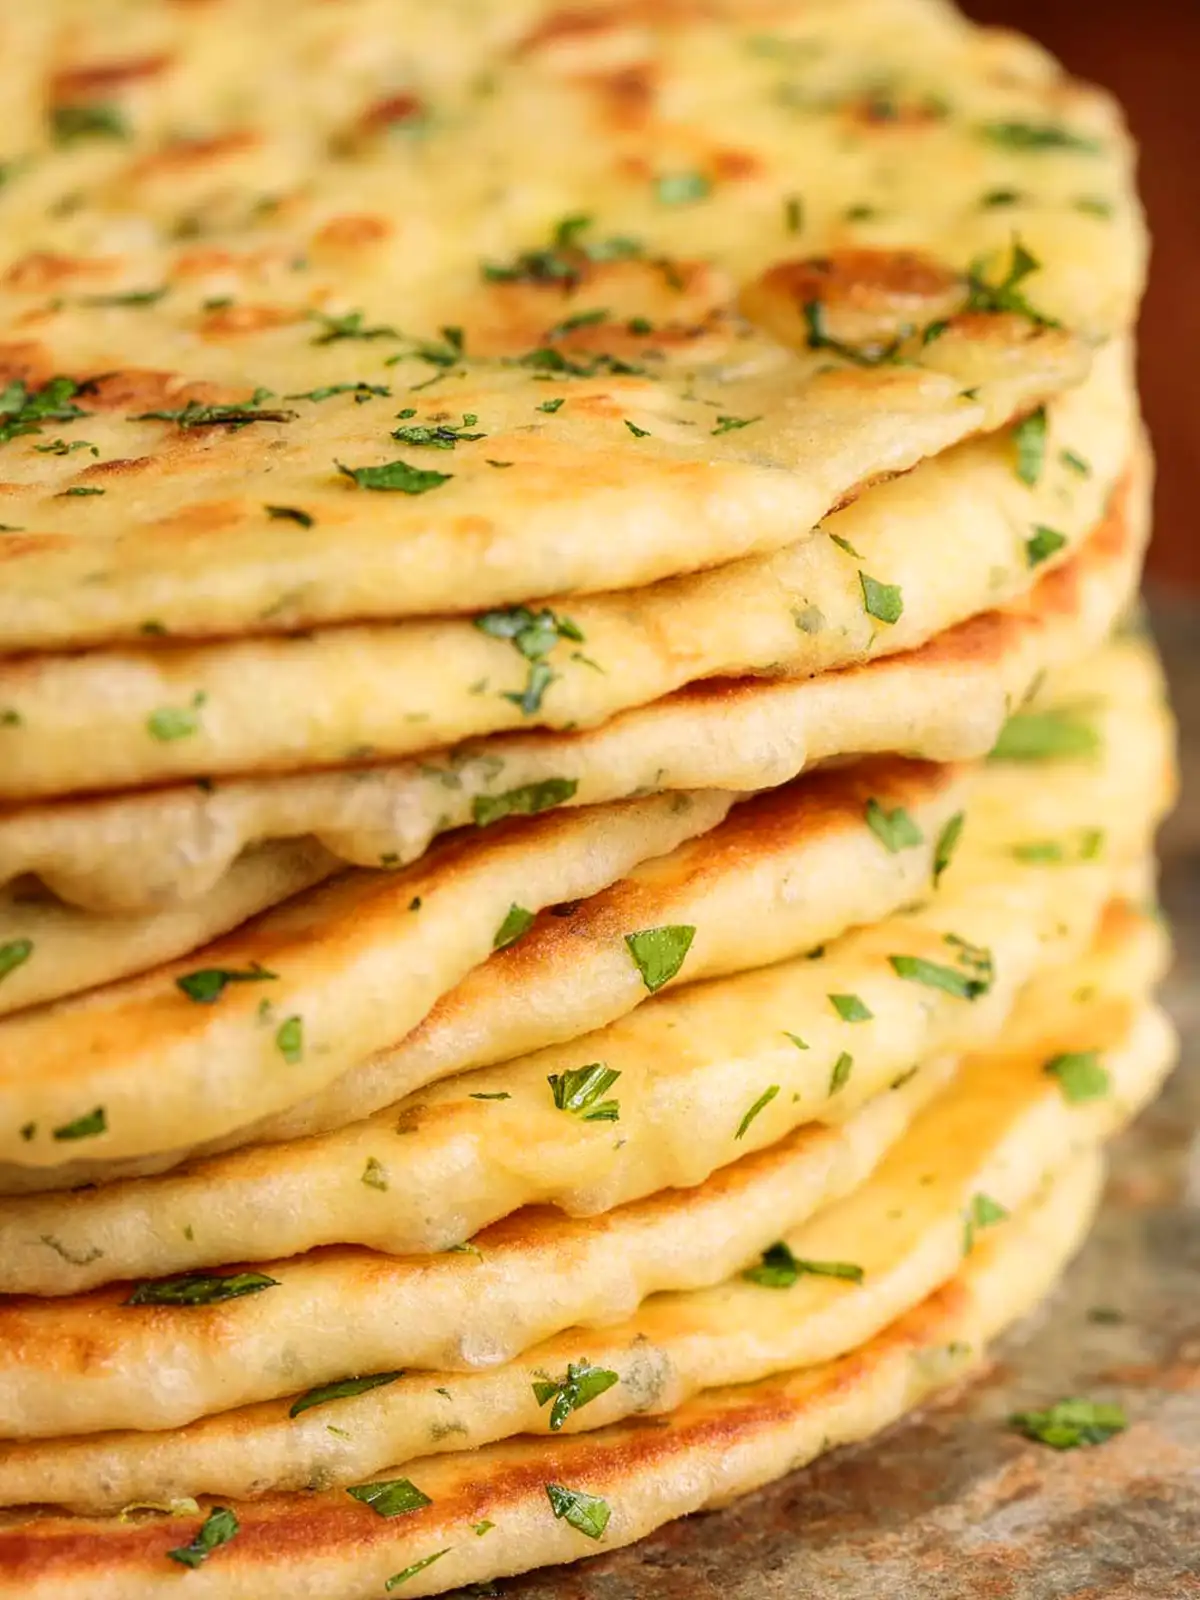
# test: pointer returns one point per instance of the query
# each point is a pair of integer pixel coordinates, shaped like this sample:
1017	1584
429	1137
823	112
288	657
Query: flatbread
714	148
704	1073
946	700
910	559
274	1010
69	950
1000	1128
720	1445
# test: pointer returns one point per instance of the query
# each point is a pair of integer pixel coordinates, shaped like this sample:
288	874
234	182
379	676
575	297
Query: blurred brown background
1148	54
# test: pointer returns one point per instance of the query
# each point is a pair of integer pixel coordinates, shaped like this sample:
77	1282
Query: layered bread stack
577	789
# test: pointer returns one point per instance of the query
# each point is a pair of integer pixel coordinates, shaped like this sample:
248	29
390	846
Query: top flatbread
741	189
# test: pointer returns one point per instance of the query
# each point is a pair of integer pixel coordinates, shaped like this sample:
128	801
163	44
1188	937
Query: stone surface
953	1505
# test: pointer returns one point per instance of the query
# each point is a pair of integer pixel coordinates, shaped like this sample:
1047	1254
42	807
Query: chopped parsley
1075	463
195	414
88	1127
1006	294
207	985
60	447
551	406
347	1389
1094	206
793	214
982	1212
290	514
972	978
844	544
517	922
1044	543
399	1578
349	326
894	829
796	1040
360	390
1001	197
393	1497
78	490
395	475
780	1269
682	188
200	1289
218	1528
23	410
840	1076
374	1175
442	436
586	1513
14	954
1029	436
527	801
583	1384
579	1091
883	601
534	635
583	319
1046	736
1038	136
761	1104
130	297
175	722
638	433
289	1040
731	424
501	1094
1080	1076
71	123
1039	850
659	953
1068	1424
851	1008
947	844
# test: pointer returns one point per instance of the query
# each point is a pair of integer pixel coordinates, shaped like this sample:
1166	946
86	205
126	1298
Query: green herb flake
23	410
418	1566
175	722
659	953
289	1040
883	601
132	298
551	406
780	1269
528	801
796	1040
290	514
1005	295
982	1212
88	1127
501	1094
195	414
579	1090
1075	463
200	1289
1038	136
79	491
1046	736
761	1104
218	1528
682	188
480	1528
60	447
69	124
996	198
582	1384
1029	436
1069	1424
534	635
962	985
1080	1076
374	1175
793	214
731	424
581	319
851	1008
947	844
14	954
586	1513
395	476
347	1389
517	922
638	433
207	985
393	1497
840	1076
1044	543
844	544
894	829
349	326
441	436
869	355
360	390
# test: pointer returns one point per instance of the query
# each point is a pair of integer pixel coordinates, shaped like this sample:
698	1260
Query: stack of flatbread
577	786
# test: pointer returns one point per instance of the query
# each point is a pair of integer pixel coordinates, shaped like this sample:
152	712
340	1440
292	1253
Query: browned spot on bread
887	111
577	23
180	155
120	467
26	360
98	78
351	232
391	111
43	269
860	295
138	389
230	322
15	545
733	165
626	94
